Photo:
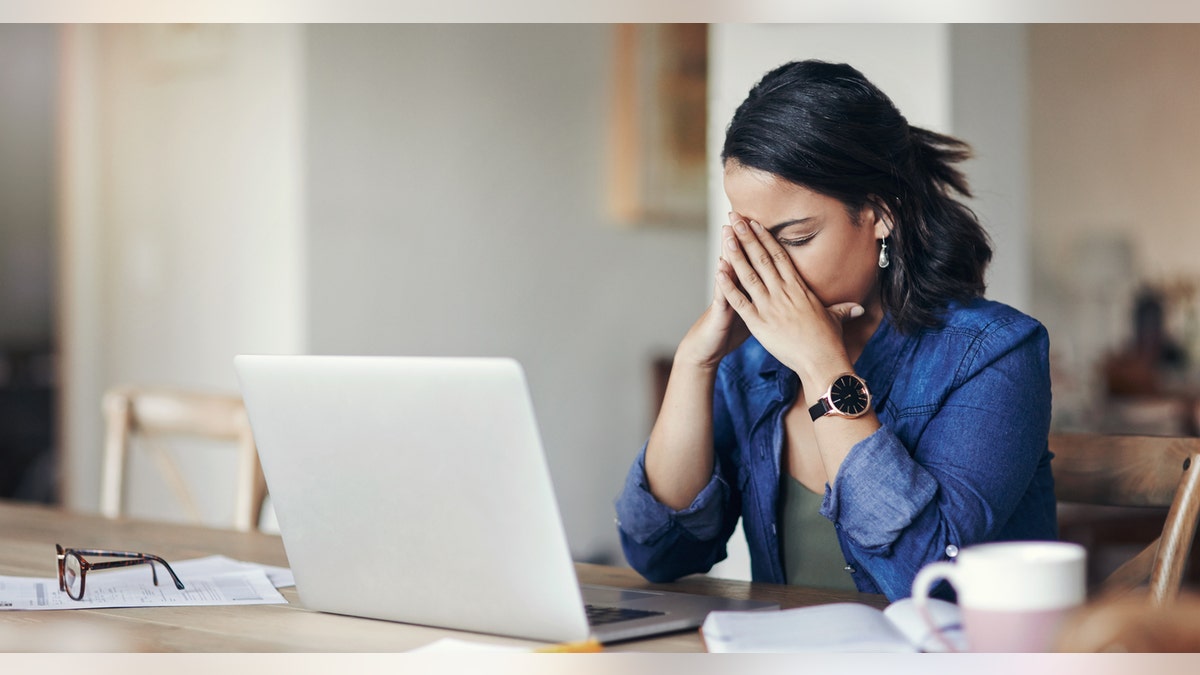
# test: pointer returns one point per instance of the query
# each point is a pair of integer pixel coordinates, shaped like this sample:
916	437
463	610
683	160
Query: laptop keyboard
599	614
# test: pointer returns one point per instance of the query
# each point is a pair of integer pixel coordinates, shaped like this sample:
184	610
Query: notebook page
837	627
904	615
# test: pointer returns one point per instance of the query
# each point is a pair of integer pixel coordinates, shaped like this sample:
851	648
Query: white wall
989	102
457	207
182	226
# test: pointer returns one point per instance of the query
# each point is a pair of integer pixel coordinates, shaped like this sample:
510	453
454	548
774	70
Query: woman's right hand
718	331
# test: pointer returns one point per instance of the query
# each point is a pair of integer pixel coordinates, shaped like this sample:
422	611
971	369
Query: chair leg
116	445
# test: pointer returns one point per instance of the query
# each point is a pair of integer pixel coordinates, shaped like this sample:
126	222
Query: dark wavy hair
825	127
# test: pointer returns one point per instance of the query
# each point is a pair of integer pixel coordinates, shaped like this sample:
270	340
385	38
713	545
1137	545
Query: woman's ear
882	216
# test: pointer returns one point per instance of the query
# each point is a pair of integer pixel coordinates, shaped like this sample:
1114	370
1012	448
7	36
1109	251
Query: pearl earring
883	256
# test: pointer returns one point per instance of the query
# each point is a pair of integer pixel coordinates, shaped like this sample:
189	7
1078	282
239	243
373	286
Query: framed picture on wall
659	125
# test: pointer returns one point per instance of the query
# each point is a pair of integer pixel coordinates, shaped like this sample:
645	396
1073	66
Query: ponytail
935	154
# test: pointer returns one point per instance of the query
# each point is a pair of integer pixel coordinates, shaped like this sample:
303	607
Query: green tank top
811	553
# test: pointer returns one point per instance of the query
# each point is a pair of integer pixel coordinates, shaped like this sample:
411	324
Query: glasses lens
73	576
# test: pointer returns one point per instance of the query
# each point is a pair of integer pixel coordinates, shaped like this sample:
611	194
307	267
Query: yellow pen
589	646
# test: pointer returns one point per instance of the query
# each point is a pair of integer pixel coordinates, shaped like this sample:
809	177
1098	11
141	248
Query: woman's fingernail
740	227
856	311
756	226
731	244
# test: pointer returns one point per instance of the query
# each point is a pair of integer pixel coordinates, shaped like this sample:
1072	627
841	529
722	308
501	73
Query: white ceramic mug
1014	595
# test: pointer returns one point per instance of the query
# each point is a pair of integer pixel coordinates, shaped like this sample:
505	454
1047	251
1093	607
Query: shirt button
951	551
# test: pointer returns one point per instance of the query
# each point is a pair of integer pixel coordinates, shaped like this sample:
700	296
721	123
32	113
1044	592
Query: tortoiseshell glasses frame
73	569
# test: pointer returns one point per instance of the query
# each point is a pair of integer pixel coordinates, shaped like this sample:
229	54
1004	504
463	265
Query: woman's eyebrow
776	229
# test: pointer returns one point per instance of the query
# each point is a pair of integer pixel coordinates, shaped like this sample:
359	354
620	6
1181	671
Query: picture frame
659	125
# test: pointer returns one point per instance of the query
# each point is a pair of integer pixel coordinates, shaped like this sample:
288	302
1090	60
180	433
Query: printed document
215	580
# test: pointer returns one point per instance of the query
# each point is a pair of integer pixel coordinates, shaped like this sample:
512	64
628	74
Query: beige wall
1116	139
1115	161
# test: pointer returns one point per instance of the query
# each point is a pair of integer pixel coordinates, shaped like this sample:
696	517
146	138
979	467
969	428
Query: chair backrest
148	412
1147	471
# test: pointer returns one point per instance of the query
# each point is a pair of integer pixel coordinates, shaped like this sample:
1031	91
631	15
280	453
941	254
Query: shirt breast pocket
907	423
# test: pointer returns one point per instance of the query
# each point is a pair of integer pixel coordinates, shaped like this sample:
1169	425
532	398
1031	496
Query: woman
848	393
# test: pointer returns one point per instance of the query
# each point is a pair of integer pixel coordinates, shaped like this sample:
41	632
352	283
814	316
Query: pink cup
1014	595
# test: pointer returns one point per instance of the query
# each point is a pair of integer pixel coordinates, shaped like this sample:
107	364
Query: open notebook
836	627
415	489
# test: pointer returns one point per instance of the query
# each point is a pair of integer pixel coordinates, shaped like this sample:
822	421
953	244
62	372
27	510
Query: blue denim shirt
961	458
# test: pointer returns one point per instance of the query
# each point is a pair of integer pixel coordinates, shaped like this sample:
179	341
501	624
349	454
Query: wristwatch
848	396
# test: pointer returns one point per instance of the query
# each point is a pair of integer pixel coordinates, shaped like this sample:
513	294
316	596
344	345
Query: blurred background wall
182	228
1114	151
456	200
364	190
28	105
193	192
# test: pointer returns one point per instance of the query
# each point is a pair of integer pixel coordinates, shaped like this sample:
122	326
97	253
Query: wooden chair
148	413
1136	471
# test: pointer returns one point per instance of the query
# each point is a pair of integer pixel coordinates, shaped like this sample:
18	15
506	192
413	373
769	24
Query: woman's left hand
764	287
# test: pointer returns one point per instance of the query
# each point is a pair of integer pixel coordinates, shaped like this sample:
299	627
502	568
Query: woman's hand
718	331
760	283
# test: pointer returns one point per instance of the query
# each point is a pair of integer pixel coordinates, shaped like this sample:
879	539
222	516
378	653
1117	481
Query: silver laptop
415	489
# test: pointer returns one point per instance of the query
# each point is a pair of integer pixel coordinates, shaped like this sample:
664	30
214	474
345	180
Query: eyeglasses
73	569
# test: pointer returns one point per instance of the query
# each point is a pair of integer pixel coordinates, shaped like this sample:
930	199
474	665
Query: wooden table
28	534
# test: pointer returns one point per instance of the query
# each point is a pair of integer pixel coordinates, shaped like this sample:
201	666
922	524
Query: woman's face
836	257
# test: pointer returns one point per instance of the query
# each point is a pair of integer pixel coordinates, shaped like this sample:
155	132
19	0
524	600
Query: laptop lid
416	489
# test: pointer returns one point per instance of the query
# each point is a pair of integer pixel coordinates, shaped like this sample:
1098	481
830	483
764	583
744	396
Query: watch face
849	396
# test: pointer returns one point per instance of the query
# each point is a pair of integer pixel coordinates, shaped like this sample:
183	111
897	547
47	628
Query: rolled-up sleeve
662	543
646	520
962	477
879	492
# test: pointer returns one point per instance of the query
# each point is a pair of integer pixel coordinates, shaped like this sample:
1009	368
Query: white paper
458	646
836	627
215	580
218	564
833	627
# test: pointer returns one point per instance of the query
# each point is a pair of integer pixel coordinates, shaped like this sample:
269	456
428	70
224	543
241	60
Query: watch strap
820	409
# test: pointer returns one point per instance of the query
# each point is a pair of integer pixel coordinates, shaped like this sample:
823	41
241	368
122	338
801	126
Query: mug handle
922	584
